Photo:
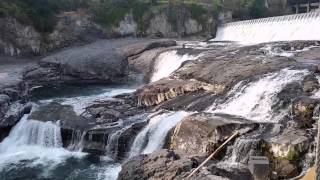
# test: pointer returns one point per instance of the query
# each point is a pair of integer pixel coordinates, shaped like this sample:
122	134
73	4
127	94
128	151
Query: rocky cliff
19	38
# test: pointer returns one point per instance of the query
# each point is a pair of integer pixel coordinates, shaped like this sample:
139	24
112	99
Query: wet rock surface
167	89
163	164
195	86
202	133
303	109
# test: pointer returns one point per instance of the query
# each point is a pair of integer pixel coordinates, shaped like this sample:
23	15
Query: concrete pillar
259	167
308	6
297	8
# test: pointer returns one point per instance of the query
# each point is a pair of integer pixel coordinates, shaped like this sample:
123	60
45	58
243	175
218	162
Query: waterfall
153	136
239	153
33	144
30	132
283	28
77	140
79	103
167	62
254	100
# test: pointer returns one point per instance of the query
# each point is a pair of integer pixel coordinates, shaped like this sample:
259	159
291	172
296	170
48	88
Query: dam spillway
282	28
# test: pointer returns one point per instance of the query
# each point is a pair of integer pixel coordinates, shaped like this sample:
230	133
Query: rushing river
33	149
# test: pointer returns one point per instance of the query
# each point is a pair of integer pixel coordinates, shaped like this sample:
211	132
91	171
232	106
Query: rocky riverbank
270	99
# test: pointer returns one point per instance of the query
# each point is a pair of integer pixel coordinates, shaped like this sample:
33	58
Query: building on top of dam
236	10
303	6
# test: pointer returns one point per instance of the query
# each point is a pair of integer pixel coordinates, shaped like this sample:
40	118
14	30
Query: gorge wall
83	26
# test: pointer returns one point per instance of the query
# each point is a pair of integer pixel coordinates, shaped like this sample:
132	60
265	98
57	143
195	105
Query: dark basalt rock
232	173
96	133
286	96
137	48
126	140
162	164
302	109
310	84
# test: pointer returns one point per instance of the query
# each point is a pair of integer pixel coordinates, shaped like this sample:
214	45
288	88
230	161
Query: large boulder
162	164
290	144
94	63
303	110
310	84
202	133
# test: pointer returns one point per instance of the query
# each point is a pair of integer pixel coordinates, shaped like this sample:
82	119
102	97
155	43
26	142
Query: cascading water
283	28
77	141
33	143
34	149
30	132
153	136
167	62
80	102
238	154
254	100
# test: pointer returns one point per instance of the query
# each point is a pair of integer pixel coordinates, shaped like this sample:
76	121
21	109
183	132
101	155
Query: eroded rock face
18	39
289	145
202	133
162	164
302	109
310	84
167	89
13	92
72	27
284	169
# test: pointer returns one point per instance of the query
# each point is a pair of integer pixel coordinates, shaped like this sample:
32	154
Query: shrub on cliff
39	13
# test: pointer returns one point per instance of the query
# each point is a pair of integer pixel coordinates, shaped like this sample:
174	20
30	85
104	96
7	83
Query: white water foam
271	51
254	100
167	62
34	141
153	136
283	28
80	102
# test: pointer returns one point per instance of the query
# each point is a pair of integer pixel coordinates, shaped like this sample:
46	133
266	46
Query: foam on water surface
254	100
153	136
283	28
167	62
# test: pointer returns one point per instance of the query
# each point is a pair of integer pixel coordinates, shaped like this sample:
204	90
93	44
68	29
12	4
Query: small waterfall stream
167	62
33	133
153	136
254	100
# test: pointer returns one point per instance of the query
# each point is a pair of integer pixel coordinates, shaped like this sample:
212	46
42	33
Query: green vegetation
39	13
292	155
247	9
198	13
42	13
258	9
